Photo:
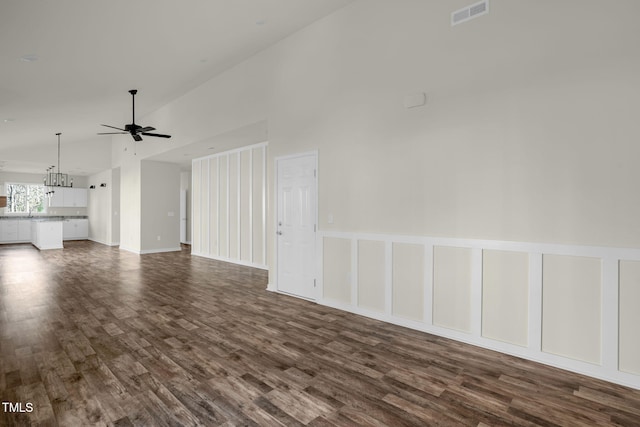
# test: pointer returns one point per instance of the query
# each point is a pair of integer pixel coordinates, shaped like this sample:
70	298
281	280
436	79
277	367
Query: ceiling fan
134	129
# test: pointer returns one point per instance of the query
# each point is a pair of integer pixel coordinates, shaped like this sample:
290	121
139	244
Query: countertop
44	218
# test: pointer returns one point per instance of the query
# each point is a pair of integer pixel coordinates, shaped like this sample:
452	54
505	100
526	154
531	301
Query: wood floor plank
96	336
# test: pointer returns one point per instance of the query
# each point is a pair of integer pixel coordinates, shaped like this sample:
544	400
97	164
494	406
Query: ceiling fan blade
146	129
112	133
136	137
113	127
159	135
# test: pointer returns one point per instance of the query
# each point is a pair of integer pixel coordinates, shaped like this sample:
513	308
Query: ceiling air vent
469	12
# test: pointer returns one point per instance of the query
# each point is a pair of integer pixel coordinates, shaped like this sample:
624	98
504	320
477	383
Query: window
25	198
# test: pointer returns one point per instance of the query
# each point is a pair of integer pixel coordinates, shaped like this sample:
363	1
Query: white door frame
273	284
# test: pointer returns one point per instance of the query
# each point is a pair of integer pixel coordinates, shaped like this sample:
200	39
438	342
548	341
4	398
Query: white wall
115	207
130	204
99	207
529	133
160	207
103	207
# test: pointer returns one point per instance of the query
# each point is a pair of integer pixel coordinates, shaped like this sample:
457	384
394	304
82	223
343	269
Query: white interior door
296	225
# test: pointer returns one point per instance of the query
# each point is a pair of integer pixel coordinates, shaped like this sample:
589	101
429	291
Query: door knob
279	233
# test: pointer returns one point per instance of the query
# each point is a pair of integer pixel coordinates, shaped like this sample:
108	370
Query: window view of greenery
25	198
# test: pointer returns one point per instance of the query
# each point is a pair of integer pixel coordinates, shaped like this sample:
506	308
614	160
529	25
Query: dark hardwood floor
91	335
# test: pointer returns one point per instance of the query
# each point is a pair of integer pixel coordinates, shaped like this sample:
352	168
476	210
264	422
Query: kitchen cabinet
68	197
9	230
24	230
57	197
75	229
15	230
75	197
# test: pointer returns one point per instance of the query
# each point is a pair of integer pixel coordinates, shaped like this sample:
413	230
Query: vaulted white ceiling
67	65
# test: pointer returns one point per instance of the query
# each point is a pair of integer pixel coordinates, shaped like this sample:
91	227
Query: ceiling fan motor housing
132	127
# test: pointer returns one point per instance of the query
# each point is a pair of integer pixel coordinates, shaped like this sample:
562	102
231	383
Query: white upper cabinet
80	197
57	198
69	197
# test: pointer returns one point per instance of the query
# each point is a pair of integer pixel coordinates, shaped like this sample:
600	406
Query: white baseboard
232	261
125	248
156	251
103	243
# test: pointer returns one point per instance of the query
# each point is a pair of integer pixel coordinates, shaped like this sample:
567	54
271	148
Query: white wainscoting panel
337	269
452	281
229	206
629	317
505	296
371	275
573	307
196	220
408	281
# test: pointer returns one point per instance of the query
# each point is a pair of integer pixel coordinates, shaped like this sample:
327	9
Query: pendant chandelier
54	178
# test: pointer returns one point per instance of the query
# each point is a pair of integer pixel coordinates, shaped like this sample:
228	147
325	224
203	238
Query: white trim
428	285
239	198
251	205
609	313
231	261
476	292
606	370
631	254
128	249
264	204
354	272
103	242
218	205
534	335
156	251
208	206
228	209
388	278
319	268
191	222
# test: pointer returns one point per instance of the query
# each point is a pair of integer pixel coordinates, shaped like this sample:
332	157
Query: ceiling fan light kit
136	131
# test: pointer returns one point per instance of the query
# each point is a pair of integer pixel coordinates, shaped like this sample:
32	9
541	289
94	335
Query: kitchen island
17	229
46	233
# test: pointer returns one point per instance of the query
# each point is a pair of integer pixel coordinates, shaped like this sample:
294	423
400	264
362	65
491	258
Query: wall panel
371	275
572	301
258	242
229	211
408	281
629	317
452	288
234	206
204	206
505	296
196	223
337	270
223	203
572	307
213	207
246	208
